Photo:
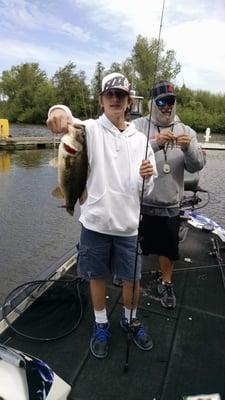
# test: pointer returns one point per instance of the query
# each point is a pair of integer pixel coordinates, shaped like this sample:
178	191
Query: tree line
26	93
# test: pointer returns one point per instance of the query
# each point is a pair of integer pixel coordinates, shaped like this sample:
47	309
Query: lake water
35	232
42	130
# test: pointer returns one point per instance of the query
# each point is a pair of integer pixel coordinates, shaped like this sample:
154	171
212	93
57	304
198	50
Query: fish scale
72	167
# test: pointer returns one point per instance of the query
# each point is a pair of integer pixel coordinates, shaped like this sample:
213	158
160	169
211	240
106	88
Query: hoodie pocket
92	199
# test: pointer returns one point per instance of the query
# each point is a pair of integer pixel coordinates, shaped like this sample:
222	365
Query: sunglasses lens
166	100
160	103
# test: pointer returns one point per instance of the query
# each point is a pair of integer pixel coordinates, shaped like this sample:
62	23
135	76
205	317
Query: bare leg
128	294
99	343
138	334
166	266
98	292
165	288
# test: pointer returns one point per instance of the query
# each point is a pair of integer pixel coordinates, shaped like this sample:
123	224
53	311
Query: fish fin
83	197
54	162
79	126
57	192
69	210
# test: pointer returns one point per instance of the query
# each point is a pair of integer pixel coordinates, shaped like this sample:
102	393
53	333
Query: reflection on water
27	159
5	161
35	232
31	158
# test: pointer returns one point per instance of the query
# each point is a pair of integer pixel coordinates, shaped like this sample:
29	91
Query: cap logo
170	88
162	88
117	81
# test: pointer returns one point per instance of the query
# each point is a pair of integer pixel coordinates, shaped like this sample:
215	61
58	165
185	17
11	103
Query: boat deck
188	357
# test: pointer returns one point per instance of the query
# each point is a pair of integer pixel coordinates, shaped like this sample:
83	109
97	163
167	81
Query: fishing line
129	335
55	147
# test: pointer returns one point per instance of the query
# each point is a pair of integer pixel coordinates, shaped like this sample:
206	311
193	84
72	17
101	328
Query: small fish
72	166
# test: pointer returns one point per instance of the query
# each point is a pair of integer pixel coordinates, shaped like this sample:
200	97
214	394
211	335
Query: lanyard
166	166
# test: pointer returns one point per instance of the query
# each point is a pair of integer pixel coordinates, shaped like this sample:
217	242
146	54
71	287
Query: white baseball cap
115	80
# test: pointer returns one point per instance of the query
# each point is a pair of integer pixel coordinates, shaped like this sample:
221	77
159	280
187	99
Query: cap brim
117	88
162	95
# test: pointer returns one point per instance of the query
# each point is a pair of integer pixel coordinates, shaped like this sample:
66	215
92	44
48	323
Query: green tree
44	97
184	95
146	66
96	89
72	90
19	87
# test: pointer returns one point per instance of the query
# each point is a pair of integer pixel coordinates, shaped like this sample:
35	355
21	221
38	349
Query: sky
54	32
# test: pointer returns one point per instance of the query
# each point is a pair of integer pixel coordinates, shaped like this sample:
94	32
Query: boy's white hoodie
114	184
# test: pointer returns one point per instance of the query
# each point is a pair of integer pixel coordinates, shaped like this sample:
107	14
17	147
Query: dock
212	146
42	142
32	142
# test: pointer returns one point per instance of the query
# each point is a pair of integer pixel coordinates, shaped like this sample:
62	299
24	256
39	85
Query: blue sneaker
138	334
99	340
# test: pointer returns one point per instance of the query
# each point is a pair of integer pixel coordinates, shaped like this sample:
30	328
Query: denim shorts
100	255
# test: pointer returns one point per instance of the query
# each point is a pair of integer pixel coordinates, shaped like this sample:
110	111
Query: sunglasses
120	94
170	100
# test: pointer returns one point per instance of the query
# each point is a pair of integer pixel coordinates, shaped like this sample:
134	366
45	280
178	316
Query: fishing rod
130	328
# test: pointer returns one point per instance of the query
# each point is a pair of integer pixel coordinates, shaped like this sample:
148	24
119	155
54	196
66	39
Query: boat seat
191	181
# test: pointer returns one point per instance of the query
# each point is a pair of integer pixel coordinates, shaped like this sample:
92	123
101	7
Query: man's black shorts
159	235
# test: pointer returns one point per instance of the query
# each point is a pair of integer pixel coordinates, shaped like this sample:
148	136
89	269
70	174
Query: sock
101	316
127	313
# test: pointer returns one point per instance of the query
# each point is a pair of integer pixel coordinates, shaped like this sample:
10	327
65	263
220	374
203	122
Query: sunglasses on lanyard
170	100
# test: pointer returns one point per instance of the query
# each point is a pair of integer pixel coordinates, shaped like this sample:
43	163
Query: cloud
88	31
25	16
198	49
75	31
50	59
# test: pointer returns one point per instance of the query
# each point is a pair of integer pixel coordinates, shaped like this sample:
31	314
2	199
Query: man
110	214
176	149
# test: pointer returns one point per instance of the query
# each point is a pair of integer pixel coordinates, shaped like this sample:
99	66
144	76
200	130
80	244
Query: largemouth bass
72	166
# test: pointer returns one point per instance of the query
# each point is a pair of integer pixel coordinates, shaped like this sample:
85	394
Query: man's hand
183	141
146	169
57	121
165	136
